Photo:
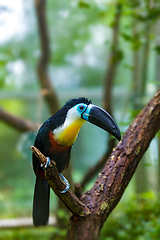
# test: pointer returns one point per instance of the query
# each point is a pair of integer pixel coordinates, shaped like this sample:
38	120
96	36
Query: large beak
102	119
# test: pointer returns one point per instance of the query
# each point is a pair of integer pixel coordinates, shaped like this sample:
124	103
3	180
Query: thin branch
17	223
145	60
20	124
39	155
136	72
113	61
55	182
47	91
146	51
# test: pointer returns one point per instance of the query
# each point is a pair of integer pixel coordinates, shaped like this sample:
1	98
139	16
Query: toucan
55	139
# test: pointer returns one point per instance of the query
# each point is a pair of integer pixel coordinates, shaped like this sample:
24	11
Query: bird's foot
67	184
45	165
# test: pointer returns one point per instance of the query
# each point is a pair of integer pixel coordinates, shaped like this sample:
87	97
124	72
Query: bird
55	139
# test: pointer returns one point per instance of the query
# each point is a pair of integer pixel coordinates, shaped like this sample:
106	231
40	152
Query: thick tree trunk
83	228
117	173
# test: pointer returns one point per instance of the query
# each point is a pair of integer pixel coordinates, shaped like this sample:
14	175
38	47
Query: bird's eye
81	107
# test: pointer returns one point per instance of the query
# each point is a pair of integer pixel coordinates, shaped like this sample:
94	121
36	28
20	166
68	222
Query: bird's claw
45	165
67	184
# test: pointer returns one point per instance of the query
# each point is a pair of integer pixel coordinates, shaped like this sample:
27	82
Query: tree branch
123	161
20	124
74	205
21	223
113	61
96	204
47	88
109	187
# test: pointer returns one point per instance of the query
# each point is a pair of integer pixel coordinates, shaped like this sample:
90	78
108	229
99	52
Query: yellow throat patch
68	135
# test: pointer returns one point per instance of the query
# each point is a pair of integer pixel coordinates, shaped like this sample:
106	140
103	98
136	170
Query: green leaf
120	55
127	37
157	49
155	82
127	66
83	5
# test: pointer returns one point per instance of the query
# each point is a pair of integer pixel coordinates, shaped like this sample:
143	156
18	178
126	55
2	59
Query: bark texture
109	187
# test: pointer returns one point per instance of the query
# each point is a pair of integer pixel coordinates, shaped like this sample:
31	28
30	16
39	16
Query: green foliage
83	4
135	41
32	233
135	218
138	218
157	49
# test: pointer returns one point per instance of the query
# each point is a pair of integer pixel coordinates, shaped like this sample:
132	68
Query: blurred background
52	51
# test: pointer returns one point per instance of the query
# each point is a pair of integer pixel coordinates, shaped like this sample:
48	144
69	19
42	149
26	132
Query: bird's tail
41	202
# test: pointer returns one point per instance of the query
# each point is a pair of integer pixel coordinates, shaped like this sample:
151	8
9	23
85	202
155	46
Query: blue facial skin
84	110
85	114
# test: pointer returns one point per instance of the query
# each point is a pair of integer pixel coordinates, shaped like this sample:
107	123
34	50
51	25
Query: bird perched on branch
55	139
